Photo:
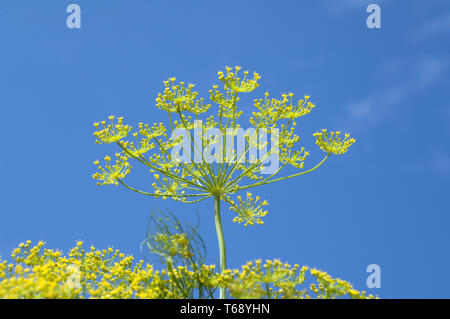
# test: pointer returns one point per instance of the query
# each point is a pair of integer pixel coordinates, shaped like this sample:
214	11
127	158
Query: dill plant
216	170
176	244
88	272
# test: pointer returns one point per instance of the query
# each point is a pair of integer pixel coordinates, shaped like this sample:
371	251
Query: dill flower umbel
112	173
249	211
112	132
213	170
333	143
232	82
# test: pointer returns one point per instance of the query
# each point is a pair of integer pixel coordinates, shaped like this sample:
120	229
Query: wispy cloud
403	77
435	160
408	79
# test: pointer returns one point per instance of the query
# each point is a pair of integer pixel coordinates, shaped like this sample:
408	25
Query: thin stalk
221	240
285	177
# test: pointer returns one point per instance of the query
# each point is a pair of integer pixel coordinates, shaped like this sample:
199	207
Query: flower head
168	187
112	132
249	211
232	82
333	143
180	97
110	173
199	156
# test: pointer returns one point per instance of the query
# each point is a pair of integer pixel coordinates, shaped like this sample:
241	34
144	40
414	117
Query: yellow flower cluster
44	273
172	245
272	110
328	287
333	143
227	104
155	131
289	111
111	133
111	173
249	211
232	82
295	158
107	273
139	148
275	279
178	97
168	187
210	158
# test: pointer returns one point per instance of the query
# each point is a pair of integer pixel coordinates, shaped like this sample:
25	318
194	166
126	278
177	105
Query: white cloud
408	79
361	109
429	71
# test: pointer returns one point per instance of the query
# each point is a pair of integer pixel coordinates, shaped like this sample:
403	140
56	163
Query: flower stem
221	239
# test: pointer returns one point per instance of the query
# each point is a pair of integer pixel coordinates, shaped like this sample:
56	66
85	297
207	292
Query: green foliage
174	244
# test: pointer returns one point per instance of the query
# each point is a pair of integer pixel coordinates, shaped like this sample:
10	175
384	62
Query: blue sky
384	202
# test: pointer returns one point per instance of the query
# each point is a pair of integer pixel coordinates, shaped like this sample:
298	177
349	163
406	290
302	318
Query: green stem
221	239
